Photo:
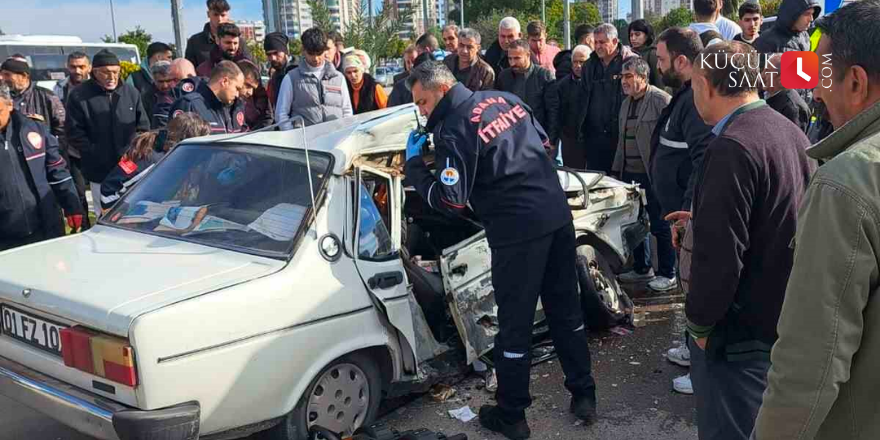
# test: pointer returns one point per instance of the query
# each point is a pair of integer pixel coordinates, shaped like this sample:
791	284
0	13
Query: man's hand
681	219
37	117
75	222
414	144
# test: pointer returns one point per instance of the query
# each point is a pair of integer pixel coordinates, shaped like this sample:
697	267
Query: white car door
377	252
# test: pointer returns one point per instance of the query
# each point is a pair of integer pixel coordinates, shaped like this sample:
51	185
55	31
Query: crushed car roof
345	139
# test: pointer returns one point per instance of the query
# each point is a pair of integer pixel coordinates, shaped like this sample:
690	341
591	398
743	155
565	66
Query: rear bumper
94	415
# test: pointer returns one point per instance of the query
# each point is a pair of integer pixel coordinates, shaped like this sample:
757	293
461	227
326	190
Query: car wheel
343	397
603	302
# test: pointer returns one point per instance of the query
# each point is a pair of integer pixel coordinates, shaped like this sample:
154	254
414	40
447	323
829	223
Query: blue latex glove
414	144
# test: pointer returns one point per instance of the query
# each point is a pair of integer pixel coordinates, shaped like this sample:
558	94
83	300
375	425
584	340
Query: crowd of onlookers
769	250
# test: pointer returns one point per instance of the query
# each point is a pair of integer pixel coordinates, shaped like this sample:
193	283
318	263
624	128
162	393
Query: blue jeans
659	228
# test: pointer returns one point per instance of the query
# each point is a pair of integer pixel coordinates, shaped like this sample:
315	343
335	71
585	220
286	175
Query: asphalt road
634	388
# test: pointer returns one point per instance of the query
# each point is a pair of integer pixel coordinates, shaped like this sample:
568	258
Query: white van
47	54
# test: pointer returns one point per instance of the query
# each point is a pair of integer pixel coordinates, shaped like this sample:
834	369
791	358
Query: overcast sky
90	19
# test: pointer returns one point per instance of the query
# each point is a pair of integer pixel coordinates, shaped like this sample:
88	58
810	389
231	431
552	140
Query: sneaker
679	356
683	384
584	409
635	277
663	284
493	419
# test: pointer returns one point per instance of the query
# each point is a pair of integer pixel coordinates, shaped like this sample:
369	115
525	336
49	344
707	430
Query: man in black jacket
789	32
400	94
532	84
217	100
753	177
158	96
509	30
677	147
33	177
788	102
198	47
571	108
277	50
156	52
30	100
490	153
603	96
103	115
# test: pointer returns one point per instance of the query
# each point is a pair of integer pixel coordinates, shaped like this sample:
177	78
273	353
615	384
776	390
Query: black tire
295	425
603	302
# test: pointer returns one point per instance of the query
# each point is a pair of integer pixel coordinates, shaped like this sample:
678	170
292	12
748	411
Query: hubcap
606	292
340	399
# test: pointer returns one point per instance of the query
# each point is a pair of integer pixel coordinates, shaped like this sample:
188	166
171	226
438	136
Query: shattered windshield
240	197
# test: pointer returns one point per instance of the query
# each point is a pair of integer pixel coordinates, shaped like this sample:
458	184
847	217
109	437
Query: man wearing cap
34	102
277	50
156	52
33	177
103	115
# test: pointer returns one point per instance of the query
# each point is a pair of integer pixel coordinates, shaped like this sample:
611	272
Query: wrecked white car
213	301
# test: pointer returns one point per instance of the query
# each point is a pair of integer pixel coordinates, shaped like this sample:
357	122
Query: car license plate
34	331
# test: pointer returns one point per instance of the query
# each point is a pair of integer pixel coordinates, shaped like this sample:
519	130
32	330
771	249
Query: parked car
271	281
384	77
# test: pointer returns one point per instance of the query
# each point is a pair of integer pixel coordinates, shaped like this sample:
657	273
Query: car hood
107	277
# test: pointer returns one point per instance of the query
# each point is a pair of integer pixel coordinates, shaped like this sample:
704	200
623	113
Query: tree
321	17
139	37
1	32
679	17
380	38
258	54
295	47
770	8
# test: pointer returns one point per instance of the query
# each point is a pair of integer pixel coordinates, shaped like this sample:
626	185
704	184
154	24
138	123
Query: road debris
441	392
464	414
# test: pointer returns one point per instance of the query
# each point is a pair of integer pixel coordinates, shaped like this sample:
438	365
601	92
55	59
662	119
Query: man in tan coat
824	379
638	116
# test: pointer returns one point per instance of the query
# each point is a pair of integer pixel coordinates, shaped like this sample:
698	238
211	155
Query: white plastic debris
464	414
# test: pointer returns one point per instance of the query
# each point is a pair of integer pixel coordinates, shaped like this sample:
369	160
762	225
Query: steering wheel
319	433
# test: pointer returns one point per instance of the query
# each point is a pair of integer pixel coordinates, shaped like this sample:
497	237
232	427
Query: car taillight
102	355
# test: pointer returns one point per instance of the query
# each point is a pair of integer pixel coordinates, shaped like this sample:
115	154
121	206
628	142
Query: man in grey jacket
315	90
638	117
823	382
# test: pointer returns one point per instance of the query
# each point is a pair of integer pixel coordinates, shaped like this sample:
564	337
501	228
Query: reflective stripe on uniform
673	144
60	181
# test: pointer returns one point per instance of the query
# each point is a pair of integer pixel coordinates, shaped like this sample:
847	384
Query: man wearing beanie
143	79
34	102
103	115
277	50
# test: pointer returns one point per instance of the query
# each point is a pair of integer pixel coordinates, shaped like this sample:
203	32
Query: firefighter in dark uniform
216	100
33	175
491	155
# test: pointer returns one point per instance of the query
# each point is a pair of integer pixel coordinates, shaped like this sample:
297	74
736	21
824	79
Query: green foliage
770	8
107	39
1	32
679	17
258	54
321	16
487	25
139	37
295	47
379	39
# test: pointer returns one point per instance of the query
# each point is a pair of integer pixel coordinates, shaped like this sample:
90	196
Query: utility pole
544	12
566	16
425	15
462	13
113	20
179	39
